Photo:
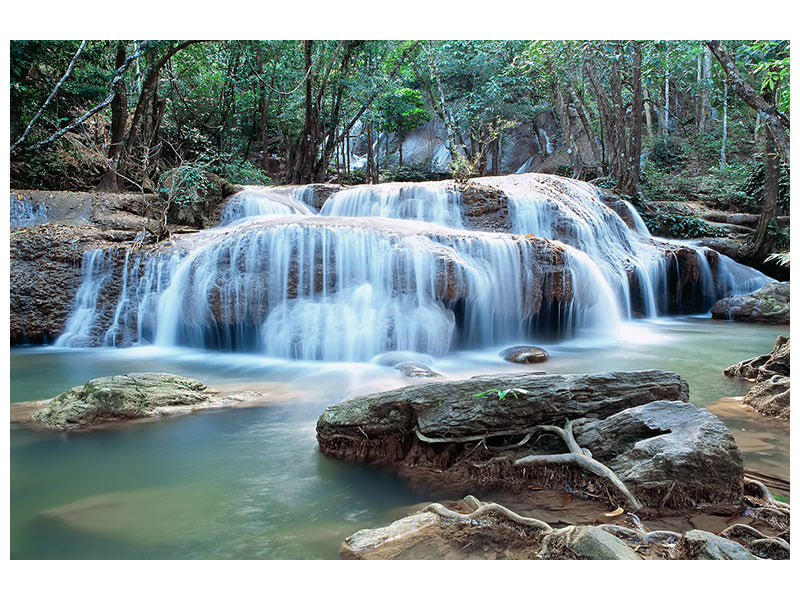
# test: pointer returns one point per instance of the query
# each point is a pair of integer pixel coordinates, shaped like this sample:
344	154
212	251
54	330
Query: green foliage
355	177
402	110
752	190
185	184
779	235
666	153
501	394
461	168
409	173
246	174
781	258
672	224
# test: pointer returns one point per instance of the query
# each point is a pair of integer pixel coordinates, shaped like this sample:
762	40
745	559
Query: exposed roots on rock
577	457
765	494
483	510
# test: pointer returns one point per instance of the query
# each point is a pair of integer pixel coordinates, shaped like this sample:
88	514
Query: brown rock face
45	273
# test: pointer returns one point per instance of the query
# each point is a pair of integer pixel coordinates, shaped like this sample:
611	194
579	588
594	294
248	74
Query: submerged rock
412	369
525	354
128	397
770	304
665	451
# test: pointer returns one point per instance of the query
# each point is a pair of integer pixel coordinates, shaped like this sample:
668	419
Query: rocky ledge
630	436
470	528
770	373
124	398
770	304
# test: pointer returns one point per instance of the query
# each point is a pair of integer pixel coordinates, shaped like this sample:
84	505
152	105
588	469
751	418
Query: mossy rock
120	397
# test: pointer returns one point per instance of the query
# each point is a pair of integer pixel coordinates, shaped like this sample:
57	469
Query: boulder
525	354
765	366
770	397
451	408
770	372
585	542
395	357
668	453
702	545
125	398
770	304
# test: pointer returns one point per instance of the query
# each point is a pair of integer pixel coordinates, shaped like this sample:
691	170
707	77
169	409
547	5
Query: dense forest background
677	121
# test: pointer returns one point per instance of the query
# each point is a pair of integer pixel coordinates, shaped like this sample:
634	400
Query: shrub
246	174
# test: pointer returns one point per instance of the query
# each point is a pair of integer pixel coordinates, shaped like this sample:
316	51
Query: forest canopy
653	119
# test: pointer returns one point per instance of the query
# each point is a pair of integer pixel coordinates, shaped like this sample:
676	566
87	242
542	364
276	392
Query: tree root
577	456
481	509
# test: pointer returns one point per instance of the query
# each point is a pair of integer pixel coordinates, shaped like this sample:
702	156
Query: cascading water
391	267
25	212
96	271
256	201
433	203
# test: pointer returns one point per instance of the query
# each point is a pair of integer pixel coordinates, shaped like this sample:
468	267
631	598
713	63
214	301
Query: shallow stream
250	483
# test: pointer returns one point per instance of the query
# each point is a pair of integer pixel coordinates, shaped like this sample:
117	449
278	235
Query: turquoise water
250	483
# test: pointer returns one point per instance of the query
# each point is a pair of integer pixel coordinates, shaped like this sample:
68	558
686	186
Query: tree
402	110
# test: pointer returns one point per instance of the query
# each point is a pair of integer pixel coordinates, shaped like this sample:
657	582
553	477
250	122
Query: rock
765	366
411	369
446	409
206	211
770	397
702	545
525	354
668	453
770	304
126	397
45	273
492	532
585	542
407	536
743	219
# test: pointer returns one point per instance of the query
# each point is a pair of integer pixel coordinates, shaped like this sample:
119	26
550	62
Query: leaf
615	513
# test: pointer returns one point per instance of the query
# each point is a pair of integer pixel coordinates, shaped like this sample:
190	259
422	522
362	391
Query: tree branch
50	97
119	74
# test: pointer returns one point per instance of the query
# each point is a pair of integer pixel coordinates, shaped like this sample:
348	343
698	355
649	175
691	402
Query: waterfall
25	212
394	267
430	202
255	201
96	272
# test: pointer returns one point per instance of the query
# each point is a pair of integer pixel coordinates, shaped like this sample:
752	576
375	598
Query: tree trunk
776	121
722	159
770	208
111	182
